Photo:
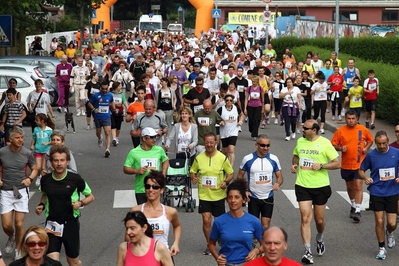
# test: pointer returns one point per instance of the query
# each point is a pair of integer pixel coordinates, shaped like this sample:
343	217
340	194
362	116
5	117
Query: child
355	95
41	141
14	113
371	92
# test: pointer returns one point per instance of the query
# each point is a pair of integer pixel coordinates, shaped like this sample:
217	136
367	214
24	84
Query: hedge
388	100
373	49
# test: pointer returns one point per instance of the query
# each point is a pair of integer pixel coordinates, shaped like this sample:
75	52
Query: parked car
25	83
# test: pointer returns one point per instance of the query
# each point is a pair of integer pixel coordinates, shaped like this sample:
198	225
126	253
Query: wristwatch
321	166
227	182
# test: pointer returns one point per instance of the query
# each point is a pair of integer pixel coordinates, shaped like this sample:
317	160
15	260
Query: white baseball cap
148	131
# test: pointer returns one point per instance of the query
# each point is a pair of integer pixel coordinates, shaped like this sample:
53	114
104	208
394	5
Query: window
346	16
389	15
287	13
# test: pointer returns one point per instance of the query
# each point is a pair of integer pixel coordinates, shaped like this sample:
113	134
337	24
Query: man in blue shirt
384	188
101	104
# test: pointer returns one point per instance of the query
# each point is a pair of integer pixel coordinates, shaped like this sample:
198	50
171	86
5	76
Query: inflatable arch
203	21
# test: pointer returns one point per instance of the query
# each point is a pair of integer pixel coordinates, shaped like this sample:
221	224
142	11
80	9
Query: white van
175	29
150	22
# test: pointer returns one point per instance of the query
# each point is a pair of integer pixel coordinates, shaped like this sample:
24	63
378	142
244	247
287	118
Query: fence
47	37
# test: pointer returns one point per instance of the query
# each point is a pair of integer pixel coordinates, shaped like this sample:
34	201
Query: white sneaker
293	135
83	113
298	131
339	118
37	182
239	129
114	142
287	138
333	118
273	115
343	111
382	254
78	113
328	110
100	141
268	120
276	121
17	254
65	110
263	124
321	131
390	240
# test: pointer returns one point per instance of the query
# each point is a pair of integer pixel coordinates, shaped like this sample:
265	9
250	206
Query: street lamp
337	26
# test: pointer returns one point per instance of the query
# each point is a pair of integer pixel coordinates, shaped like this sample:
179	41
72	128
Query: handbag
31	116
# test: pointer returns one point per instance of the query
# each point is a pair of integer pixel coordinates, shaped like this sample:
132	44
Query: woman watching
291	96
159	216
235	245
70	52
34	247
233	118
254	107
141	248
53	46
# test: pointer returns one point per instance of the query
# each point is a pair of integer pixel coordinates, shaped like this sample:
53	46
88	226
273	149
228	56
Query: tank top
160	226
148	259
348	77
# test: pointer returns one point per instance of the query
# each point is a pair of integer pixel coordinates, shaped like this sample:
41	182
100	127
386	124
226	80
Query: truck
150	22
175	29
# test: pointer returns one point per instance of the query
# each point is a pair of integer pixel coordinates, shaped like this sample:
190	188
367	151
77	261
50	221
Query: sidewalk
379	125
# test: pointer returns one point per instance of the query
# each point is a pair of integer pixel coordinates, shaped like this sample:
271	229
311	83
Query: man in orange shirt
353	140
136	108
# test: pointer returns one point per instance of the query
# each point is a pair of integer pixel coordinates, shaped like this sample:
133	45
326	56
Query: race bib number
157	229
118	100
203	121
197	60
306	163
54	228
165	94
94	90
240	88
349	81
103	109
288	65
263	178
198	107
307	84
356	100
151	164
231	119
209	181
81	73
147	90
387	173
255	95
63	72
372	86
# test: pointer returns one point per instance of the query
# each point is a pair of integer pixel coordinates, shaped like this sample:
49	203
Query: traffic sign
267	14
93	14
6	30
216	13
180	9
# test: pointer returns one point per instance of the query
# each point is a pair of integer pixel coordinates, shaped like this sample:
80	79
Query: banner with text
246	18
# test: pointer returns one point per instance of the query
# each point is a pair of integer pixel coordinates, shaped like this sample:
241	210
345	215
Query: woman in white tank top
159	216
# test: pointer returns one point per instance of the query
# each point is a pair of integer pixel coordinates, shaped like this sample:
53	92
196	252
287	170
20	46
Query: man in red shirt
371	92
336	82
274	244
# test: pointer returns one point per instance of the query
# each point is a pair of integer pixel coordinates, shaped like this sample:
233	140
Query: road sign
180	9
216	13
267	14
93	14
6	29
155	7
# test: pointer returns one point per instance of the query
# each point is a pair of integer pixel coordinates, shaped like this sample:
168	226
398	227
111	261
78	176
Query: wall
47	37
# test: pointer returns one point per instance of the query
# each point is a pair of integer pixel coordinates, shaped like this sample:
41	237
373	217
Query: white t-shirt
41	107
321	94
293	97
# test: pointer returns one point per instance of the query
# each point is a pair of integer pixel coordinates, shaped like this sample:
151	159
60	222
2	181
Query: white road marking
365	203
290	194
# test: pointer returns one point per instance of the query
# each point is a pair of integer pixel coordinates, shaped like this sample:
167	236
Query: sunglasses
151	137
199	84
228	100
263	145
307	128
154	187
396	131
33	244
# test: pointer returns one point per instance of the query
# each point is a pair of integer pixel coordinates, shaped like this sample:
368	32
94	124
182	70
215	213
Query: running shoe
307	258
10	245
239	129
293	135
37	182
320	248
328	110
352	212
100	141
356	217
267	120
78	113
390	240
65	110
340	118
333	118
367	124
298	131
372	126
107	153
276	121
382	254
321	131
343	111
117	141
88	127
254	138
17	254
114	142
282	123
287	138
59	109
263	124
207	252
246	119
273	115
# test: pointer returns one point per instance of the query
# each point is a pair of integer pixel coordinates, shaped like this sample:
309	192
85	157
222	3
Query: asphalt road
102	229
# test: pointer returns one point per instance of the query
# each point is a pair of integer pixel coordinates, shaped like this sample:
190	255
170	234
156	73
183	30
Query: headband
31	233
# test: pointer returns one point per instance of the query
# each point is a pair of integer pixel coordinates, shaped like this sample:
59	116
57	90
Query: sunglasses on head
151	137
154	187
33	244
263	145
